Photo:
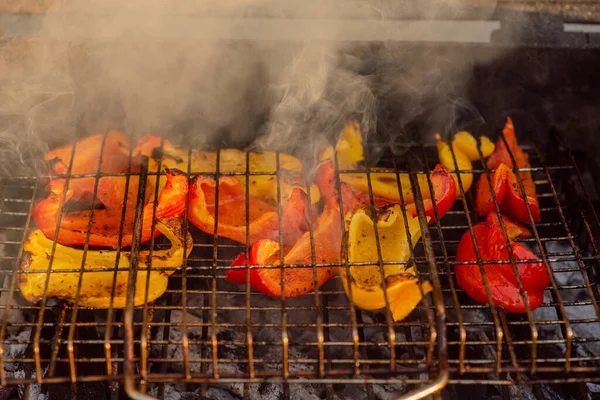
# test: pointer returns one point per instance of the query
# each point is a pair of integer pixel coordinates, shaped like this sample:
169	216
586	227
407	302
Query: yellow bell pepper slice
96	286
263	187
350	152
464	146
402	289
467	144
462	161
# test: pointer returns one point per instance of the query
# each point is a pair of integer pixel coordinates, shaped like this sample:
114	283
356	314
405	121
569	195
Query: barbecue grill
208	338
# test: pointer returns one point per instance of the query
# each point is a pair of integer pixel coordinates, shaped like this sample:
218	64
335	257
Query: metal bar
71	335
11	291
110	366
249	337
40	317
438	227
318	310
480	263
145	311
129	361
346	266
462	331
388	313
213	296
440	327
284	333
534	332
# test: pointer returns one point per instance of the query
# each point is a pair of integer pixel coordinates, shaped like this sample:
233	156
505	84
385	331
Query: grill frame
130	377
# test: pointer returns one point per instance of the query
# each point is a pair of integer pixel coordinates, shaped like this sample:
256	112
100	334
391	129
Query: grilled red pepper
108	218
444	191
297	280
505	183
114	152
327	237
501	278
263	219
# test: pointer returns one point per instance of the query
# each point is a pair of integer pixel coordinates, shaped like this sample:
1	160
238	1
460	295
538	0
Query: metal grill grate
206	330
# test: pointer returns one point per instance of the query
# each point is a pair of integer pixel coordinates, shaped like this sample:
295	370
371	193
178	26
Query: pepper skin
263	219
115	155
350	152
505	182
366	283
444	192
501	279
99	270
464	147
262	183
327	237
298	280
107	220
508	196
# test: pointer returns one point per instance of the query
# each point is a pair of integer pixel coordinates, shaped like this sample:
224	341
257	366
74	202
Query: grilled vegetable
384	185
263	218
108	215
505	183
501	278
99	270
327	237
263	187
465	143
350	153
114	152
365	281
465	150
444	191
298	280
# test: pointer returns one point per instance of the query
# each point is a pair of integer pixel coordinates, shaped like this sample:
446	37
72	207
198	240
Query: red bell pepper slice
298	280
115	155
264	221
444	192
504	180
107	221
352	198
501	279
508	196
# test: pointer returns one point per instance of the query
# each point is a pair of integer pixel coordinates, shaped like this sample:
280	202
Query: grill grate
206	330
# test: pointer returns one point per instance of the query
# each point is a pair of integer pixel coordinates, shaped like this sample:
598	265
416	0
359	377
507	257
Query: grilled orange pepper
114	152
108	220
298	280
231	207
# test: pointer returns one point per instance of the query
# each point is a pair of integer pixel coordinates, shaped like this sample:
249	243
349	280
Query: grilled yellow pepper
262	187
96	286
465	150
350	152
402	285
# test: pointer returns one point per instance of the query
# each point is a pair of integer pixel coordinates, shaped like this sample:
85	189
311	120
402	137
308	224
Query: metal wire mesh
209	331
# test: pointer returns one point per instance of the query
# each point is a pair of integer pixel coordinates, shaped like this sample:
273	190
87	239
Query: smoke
170	69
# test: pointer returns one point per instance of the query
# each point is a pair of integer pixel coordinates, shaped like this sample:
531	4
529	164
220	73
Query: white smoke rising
168	68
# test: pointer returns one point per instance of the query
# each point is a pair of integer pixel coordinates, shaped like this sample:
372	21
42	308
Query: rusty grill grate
208	331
